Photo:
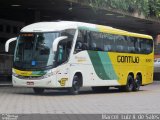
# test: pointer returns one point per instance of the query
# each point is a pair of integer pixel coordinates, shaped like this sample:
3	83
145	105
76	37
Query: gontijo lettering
127	59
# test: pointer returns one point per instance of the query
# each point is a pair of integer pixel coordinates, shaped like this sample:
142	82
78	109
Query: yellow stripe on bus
121	32
22	73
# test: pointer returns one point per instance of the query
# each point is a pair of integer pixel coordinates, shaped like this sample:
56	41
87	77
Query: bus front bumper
49	82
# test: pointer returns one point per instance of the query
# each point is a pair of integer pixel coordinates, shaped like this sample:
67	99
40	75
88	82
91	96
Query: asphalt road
24	101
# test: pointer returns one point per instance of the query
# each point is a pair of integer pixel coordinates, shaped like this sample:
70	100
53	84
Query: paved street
23	100
156	69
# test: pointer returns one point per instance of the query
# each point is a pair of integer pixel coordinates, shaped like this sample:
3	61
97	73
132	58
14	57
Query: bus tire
76	84
38	90
129	85
100	89
137	83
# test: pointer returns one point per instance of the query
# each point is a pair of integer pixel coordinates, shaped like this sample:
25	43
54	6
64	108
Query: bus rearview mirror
8	42
56	42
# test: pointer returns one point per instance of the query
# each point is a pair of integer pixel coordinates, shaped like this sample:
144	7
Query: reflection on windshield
34	50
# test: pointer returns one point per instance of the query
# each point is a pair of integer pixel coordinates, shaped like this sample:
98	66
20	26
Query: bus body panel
81	62
144	66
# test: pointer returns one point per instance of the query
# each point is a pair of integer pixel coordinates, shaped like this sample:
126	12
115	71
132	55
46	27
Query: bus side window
107	48
109	43
137	45
78	46
93	46
149	46
131	45
82	41
120	40
146	46
97	41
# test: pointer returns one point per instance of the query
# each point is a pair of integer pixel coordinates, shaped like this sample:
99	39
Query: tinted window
64	46
82	42
97	41
120	43
131	44
146	46
109	42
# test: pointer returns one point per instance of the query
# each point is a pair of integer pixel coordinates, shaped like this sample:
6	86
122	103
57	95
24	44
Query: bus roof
62	25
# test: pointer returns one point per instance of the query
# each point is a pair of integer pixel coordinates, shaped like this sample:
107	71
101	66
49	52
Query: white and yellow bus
72	55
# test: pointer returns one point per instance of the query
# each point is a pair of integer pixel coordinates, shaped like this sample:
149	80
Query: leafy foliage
149	8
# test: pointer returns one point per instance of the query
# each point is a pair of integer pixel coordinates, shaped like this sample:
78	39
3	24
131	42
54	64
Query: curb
6	85
156	82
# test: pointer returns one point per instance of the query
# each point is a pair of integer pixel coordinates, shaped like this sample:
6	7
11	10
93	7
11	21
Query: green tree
154	8
149	8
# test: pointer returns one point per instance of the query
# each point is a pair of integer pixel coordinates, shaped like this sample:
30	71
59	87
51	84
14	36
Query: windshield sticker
33	63
29	73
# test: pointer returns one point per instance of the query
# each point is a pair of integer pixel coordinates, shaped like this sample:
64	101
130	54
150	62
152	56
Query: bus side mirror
56	41
8	42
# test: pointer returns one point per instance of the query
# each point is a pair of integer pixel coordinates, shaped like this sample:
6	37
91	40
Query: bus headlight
48	74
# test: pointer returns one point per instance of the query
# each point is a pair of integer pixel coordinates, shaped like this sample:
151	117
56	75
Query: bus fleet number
148	60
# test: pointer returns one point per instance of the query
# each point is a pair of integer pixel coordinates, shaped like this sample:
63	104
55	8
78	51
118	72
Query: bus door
63	53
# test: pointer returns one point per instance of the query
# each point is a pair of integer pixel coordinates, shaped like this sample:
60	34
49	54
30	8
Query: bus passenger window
97	41
120	43
109	44
94	46
82	41
131	44
78	46
107	48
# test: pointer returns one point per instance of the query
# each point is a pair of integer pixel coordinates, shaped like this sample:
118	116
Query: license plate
30	83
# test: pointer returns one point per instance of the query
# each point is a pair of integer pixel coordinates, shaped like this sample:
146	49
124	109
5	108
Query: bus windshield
34	50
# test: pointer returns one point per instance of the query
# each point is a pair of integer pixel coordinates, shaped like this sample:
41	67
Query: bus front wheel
74	90
38	90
